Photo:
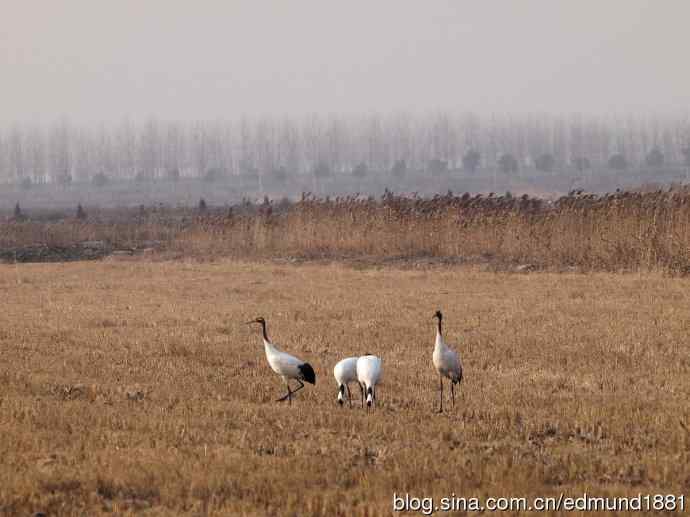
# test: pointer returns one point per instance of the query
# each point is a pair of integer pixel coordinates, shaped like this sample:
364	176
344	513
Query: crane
345	372
369	371
446	361
286	365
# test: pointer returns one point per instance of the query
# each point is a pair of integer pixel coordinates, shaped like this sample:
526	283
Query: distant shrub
471	160
173	174
618	162
360	171
247	167
279	174
686	156
507	163
581	163
142	177
251	176
545	162
266	208
322	170
64	179
214	174
655	158
81	214
399	168
283	204
202	206
26	183
18	215
437	167
100	179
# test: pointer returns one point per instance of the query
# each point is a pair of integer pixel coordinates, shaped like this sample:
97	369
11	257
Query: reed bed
620	231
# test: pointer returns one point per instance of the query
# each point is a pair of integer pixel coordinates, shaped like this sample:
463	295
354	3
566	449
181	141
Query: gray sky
96	61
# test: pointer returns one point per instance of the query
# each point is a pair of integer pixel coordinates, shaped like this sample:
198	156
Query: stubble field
135	387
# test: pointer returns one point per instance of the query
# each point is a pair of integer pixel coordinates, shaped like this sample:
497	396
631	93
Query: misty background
140	102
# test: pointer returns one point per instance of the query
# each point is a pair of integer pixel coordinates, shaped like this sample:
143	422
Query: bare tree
105	152
17	155
4	166
655	158
84	163
471	160
61	154
149	151
126	145
173	151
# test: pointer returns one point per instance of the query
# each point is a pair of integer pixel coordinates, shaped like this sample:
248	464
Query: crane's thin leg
361	390
440	379
301	385
452	391
287	383
290	392
349	395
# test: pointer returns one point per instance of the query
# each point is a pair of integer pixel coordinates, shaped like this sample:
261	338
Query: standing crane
286	365
369	371
345	372
446	361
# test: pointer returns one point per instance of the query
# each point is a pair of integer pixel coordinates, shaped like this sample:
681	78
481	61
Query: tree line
395	144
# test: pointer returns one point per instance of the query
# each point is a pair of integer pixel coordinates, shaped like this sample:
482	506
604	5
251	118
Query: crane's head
341	394
438	315
261	322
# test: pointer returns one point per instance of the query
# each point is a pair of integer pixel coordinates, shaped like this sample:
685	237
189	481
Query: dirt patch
87	250
51	254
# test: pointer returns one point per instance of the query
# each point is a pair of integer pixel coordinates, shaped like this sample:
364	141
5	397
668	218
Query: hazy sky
94	60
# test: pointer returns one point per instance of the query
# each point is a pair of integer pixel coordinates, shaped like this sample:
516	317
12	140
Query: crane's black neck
263	330
439	326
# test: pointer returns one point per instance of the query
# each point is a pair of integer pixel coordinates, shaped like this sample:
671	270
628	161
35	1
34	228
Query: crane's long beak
250	322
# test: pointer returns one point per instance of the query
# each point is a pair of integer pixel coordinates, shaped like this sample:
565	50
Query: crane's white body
345	372
446	360
284	364
369	373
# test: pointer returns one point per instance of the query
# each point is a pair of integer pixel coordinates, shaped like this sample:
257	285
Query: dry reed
622	231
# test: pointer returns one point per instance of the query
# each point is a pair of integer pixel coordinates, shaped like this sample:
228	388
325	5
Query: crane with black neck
287	366
446	361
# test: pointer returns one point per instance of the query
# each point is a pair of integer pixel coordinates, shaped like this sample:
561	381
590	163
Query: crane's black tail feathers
307	373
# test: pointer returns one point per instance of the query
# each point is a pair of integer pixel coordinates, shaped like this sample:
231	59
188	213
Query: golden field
134	386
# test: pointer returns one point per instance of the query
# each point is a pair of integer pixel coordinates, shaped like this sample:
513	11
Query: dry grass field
133	386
